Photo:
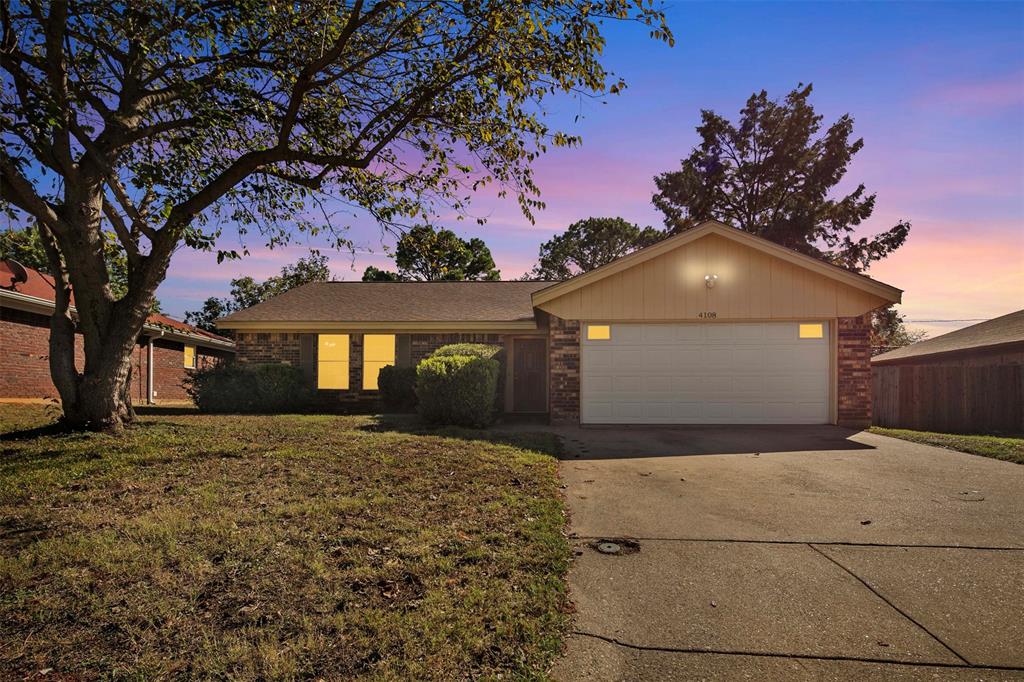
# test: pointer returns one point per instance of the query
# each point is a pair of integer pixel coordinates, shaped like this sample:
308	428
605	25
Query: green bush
480	350
397	388
457	389
477	350
235	387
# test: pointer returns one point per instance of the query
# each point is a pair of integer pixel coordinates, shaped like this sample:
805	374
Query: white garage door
717	373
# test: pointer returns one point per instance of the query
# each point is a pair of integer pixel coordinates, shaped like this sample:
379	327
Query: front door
529	375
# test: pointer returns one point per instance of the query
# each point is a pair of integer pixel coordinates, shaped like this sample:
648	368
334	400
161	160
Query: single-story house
713	325
166	350
967	381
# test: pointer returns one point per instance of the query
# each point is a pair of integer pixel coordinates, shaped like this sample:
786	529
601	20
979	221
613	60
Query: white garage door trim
705	373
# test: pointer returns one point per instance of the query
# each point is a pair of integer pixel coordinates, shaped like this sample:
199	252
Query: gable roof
38	293
857	281
995	332
465	305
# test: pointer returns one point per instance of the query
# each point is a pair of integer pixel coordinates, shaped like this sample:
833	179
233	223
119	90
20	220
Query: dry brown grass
279	548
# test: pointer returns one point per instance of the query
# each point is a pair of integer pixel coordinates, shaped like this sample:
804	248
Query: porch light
709	281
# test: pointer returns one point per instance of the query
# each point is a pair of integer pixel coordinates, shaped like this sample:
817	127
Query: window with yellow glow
190	356
812	331
332	361
378	351
599	332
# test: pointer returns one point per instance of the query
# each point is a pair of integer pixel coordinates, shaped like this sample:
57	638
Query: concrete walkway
791	553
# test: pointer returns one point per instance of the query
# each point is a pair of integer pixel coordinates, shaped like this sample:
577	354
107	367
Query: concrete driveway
791	552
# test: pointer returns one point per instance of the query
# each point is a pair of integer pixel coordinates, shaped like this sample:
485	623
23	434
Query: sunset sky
936	90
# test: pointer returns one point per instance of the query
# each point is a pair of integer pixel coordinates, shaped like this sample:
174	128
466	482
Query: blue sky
936	90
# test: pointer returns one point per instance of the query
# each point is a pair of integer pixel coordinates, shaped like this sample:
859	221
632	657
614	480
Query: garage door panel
748	359
705	373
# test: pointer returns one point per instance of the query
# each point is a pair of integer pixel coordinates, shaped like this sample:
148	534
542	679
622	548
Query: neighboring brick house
170	347
713	325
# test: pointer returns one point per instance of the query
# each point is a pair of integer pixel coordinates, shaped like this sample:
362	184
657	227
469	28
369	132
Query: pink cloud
949	277
998	94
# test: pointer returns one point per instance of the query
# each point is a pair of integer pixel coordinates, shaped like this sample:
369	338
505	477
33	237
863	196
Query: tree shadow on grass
502	433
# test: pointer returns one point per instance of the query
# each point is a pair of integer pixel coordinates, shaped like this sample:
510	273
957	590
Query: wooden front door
529	375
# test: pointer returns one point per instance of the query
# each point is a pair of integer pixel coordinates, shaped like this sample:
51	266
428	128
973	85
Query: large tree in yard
424	254
164	121
588	244
774	173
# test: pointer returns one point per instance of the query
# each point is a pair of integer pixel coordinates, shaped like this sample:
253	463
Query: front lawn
278	547
997	447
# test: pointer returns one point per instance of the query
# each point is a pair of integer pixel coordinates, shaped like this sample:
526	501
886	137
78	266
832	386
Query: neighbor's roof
38	289
995	332
394	302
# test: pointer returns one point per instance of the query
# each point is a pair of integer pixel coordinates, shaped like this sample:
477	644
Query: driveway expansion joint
820	543
804	657
903	613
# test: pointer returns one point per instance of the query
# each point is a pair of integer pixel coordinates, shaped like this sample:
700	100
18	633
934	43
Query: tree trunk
99	398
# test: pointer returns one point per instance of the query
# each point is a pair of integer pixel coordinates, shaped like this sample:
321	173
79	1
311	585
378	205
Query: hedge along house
713	325
166	351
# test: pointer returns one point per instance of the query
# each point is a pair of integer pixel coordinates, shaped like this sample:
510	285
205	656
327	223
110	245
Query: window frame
343	364
817	327
372	384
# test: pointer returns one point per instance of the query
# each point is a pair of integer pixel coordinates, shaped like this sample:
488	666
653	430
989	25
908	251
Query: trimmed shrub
457	389
235	387
477	350
480	350
397	388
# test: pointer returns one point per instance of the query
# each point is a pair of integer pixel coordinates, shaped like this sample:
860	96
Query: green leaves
772	173
589	244
426	254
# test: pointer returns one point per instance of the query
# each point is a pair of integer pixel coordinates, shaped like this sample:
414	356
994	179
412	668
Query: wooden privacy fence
952	399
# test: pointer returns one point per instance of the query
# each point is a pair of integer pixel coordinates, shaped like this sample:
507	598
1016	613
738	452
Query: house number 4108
708	315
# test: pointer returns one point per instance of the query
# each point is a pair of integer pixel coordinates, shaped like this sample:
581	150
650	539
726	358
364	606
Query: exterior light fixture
709	281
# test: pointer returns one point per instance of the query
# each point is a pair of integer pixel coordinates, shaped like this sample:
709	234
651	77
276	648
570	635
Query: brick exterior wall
287	348
422	345
25	358
25	355
564	371
853	359
263	347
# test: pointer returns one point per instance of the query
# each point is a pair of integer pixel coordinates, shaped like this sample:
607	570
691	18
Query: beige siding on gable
751	285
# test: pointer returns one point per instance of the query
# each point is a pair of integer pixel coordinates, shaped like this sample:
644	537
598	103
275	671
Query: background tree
160	121
771	173
588	244
247	292
424	254
26	247
889	331
375	274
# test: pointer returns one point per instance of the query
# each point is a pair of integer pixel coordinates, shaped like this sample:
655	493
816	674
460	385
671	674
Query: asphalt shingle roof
994	332
397	302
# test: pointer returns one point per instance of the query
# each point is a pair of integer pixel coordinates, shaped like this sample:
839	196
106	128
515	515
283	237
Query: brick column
853	358
564	395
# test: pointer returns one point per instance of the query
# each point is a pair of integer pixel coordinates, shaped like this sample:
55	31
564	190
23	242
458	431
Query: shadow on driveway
674	441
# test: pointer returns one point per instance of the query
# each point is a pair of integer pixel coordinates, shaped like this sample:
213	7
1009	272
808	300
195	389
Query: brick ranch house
166	350
713	325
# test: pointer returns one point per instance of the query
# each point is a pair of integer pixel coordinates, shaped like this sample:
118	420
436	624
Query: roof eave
862	282
1000	347
34	304
377	325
